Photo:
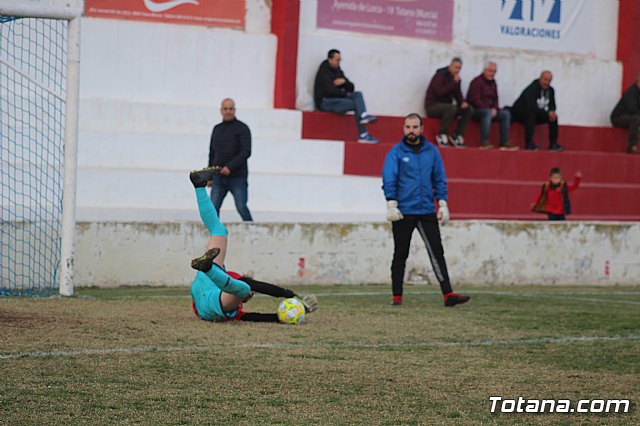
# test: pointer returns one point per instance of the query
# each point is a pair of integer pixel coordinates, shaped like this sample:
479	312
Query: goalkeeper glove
393	214
310	303
443	212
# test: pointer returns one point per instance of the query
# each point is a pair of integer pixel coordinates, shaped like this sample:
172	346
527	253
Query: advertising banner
427	19
549	25
216	13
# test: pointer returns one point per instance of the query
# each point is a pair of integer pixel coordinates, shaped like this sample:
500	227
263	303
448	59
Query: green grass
139	356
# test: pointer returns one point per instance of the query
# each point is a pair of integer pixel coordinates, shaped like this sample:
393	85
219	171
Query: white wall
258	17
113	254
176	64
587	87
73	4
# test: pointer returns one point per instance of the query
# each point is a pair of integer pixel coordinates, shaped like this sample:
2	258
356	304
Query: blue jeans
352	102
239	188
503	116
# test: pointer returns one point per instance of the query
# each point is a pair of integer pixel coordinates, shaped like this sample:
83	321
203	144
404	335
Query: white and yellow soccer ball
291	311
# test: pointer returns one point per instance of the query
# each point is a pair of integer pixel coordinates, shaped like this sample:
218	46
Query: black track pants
430	233
267	288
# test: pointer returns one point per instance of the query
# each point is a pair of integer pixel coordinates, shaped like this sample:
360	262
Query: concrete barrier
129	253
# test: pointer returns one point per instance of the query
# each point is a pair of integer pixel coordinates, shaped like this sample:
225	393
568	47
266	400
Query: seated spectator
483	97
626	114
333	92
443	90
537	105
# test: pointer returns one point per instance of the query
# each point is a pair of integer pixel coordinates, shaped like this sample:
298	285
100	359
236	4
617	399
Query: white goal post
62	10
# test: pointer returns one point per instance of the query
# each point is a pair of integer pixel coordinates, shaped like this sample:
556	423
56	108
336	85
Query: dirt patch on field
15	319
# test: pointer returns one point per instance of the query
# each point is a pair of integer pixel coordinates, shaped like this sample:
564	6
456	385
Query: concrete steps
473	163
322	125
133	161
301	169
497	199
159	192
127	116
172	151
501	185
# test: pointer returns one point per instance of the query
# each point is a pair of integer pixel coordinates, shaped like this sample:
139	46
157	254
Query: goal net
35	153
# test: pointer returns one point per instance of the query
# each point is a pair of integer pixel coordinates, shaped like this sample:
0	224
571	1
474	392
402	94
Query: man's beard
412	138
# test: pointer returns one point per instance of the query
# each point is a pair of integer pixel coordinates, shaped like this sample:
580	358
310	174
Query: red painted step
323	125
502	185
512	200
473	163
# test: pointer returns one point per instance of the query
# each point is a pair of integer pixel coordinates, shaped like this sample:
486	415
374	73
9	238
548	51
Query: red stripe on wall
285	22
629	40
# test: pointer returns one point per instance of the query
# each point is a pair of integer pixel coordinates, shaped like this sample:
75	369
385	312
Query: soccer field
138	355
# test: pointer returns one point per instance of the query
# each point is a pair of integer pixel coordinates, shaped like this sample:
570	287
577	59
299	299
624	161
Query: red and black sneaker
453	299
397	301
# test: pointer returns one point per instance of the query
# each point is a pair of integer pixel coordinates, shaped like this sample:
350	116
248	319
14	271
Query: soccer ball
291	311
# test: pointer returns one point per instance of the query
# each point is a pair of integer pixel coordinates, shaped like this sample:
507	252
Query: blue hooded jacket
414	179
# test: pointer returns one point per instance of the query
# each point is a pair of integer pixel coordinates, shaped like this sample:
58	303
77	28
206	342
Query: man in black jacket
537	105
333	92
230	148
627	114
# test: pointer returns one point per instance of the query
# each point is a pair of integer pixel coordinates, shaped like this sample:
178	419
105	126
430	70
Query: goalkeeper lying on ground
218	294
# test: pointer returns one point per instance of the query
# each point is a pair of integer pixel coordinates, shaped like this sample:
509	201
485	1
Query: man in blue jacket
413	174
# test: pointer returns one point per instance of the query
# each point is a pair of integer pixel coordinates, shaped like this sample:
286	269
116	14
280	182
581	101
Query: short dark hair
554	171
456	59
413	115
332	53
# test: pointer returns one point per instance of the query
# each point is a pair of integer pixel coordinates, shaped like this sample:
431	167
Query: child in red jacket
554	196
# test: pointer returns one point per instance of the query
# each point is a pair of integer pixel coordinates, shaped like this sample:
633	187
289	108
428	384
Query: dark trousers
483	115
430	233
447	112
532	117
554	217
267	288
239	188
631	122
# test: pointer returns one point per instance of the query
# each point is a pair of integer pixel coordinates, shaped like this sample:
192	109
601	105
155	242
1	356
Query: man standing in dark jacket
412	176
230	148
443	90
333	92
627	114
483	97
537	105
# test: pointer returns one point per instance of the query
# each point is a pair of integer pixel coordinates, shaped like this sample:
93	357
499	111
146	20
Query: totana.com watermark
522	405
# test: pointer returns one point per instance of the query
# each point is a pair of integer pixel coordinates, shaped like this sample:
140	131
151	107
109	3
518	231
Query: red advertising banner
217	13
427	19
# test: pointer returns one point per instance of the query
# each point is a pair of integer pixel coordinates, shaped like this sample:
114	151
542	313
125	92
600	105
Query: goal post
26	98
70	159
